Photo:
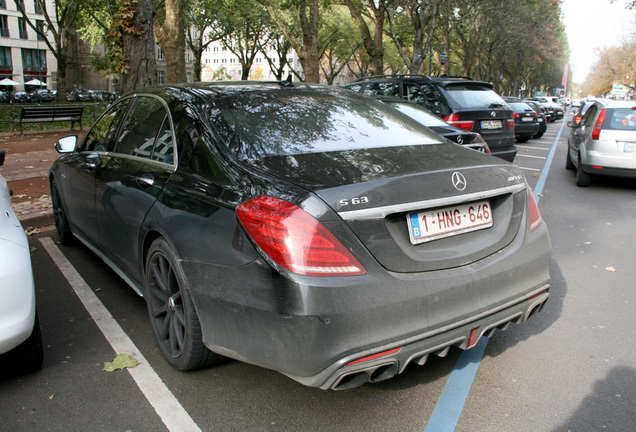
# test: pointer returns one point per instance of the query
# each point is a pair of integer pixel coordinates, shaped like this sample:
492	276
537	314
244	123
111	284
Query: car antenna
287	82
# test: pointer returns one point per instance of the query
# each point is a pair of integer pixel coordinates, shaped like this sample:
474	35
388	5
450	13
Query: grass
10	111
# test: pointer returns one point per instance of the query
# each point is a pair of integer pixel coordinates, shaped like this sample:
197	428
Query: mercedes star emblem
459	181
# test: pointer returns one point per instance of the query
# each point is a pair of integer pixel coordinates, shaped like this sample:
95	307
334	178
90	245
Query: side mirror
66	144
573	124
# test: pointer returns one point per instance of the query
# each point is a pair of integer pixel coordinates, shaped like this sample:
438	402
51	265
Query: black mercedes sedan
301	228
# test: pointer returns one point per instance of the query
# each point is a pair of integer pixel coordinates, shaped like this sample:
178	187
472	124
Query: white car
20	338
604	141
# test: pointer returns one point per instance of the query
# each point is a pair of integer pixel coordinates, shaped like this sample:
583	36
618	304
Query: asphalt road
570	368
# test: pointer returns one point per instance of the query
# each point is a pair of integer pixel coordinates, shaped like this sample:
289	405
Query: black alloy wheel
174	320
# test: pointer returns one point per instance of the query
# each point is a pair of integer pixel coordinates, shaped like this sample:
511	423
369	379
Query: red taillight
534	216
462	124
577	119
511	124
596	132
296	240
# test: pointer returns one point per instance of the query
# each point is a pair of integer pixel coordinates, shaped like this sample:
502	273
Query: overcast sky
594	24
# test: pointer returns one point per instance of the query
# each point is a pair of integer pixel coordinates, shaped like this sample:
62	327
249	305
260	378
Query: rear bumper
526	129
310	329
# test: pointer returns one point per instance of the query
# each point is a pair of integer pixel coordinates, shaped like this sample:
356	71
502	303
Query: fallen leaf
587	243
52	396
612	269
122	361
20	196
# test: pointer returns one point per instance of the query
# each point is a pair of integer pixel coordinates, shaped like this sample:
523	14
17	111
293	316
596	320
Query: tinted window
419	114
141	127
305	121
473	96
413	93
382	89
101	137
588	118
164	147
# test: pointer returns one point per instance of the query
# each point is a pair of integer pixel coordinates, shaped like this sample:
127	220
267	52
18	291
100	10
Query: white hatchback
604	142
20	338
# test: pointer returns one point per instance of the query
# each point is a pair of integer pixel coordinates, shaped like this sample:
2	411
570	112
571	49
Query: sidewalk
28	158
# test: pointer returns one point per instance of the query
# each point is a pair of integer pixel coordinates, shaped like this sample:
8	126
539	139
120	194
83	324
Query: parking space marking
530	156
529	169
451	403
173	415
537	148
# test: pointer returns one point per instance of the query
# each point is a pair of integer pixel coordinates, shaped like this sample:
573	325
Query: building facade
24	56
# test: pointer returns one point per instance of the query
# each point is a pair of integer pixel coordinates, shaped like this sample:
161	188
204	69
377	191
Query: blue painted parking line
451	403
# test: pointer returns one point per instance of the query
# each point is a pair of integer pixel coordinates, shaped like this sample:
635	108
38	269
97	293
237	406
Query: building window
159	53
3	4
5	58
22	27
187	55
33	60
40	27
4	26
36	7
161	77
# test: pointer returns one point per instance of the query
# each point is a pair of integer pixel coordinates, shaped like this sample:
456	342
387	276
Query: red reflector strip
472	339
375	356
597	167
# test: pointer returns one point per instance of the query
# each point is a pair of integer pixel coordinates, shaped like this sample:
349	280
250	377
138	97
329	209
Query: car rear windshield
474	96
621	119
291	122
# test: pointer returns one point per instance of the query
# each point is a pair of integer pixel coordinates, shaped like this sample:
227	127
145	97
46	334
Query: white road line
536	148
173	415
530	156
530	169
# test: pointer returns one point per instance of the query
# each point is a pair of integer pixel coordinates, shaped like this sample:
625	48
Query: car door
131	178
78	176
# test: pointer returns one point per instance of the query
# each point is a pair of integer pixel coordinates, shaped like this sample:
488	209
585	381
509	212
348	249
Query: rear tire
523	139
537	136
582	178
59	214
172	314
569	165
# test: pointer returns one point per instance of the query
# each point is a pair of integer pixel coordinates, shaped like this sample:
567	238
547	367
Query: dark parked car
526	121
42	95
302	228
555	110
20	97
452	133
541	117
463	102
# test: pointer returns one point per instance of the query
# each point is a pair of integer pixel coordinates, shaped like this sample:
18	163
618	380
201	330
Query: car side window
435	101
588	118
164	147
413	92
102	135
382	89
141	127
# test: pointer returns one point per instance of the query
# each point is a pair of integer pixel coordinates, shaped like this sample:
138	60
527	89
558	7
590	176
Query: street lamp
443	57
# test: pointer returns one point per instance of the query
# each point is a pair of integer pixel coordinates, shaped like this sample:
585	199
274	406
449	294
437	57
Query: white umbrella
9	82
35	82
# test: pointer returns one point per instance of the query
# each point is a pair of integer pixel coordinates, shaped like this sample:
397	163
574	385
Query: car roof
443	80
609	103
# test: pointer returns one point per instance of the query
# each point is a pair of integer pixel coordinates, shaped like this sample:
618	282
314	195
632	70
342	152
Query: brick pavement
33	165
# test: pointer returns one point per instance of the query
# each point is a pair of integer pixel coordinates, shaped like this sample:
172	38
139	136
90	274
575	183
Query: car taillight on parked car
596	132
534	216
511	124
296	240
462	124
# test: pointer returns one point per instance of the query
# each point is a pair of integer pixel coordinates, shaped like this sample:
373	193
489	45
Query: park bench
43	114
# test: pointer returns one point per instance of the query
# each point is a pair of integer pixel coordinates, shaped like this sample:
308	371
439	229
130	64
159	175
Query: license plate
448	221
629	147
526	119
491	124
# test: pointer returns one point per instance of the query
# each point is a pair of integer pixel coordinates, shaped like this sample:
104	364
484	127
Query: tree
304	15
375	12
65	16
171	37
200	20
135	21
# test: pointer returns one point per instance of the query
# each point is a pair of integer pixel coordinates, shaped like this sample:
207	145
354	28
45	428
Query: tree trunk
174	42
139	49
